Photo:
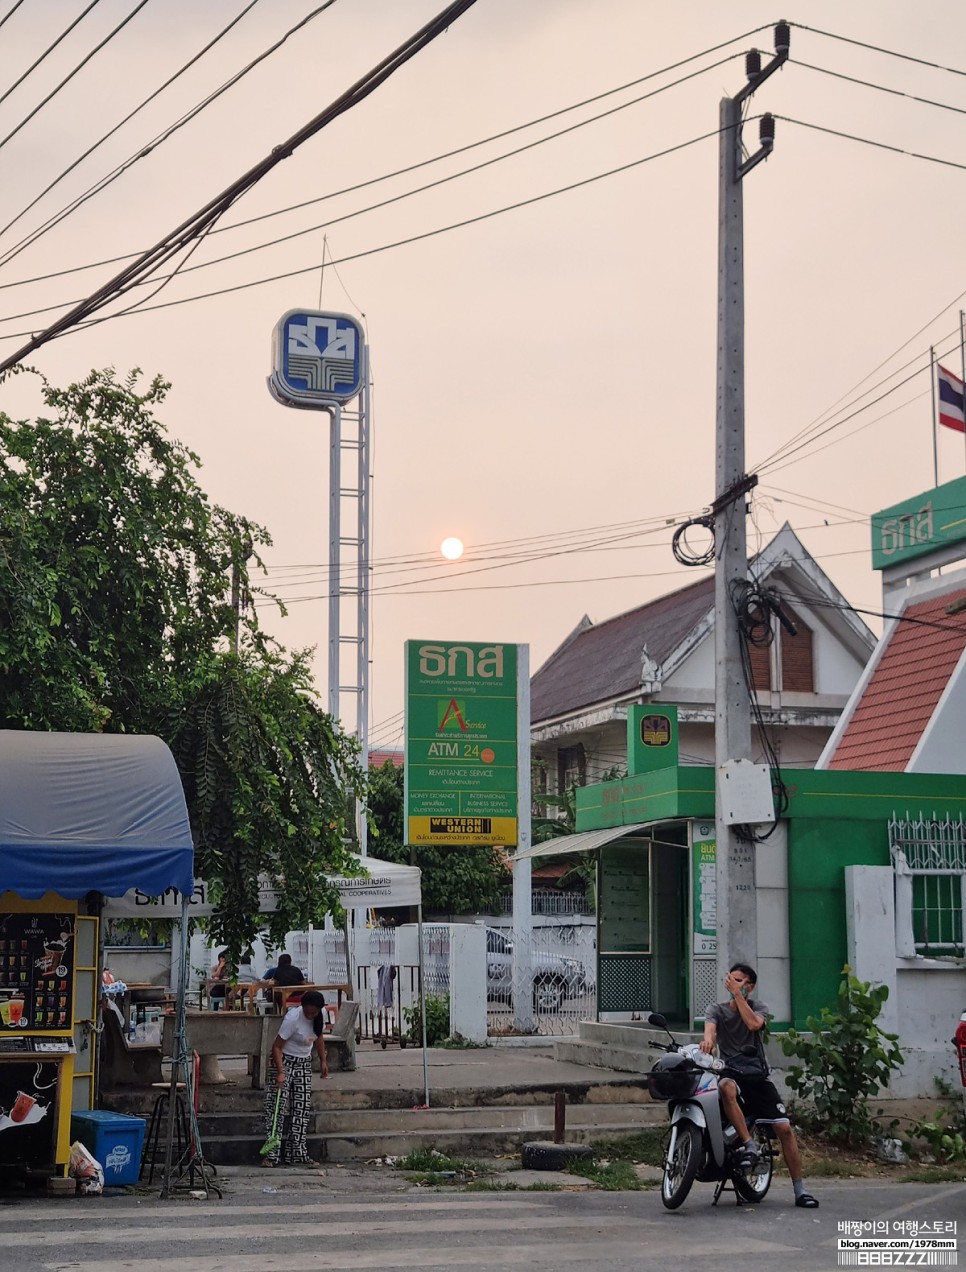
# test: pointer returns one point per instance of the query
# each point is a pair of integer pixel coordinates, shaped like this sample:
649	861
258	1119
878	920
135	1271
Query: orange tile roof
901	695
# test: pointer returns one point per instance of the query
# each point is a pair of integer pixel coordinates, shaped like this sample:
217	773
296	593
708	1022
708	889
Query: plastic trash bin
115	1139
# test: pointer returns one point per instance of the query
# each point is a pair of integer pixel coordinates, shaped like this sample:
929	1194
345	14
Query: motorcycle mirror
657	1020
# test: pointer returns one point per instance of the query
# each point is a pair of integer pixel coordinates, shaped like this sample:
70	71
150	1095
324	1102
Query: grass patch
429	1168
497	1185
645	1149
610	1176
934	1175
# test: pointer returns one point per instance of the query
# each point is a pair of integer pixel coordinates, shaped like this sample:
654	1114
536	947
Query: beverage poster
36	972
28	1122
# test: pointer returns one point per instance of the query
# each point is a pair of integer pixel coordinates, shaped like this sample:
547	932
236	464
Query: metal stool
158	1124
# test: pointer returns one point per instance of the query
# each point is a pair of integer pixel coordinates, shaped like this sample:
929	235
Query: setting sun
452	549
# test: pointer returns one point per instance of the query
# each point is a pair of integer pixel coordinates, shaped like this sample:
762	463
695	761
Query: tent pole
422	1000
179	1059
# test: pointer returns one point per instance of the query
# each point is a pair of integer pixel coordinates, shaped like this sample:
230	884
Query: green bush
846	1061
437	1021
944	1135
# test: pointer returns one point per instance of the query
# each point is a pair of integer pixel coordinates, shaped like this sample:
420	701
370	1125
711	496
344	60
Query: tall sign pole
320	363
736	895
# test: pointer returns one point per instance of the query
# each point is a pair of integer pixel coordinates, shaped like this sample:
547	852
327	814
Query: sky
543	379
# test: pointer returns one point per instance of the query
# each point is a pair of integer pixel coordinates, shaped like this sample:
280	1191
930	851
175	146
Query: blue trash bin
116	1141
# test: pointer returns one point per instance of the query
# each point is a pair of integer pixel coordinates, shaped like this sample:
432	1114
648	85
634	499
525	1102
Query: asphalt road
348	1219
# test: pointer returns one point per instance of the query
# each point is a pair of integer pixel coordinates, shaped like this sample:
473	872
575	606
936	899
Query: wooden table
282	993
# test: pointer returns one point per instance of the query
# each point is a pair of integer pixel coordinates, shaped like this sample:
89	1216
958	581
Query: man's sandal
807	1201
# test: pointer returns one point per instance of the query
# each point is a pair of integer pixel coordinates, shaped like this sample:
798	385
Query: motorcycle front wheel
681	1165
751	1185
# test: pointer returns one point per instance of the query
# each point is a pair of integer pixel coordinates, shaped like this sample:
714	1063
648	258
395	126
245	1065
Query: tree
455	879
116	615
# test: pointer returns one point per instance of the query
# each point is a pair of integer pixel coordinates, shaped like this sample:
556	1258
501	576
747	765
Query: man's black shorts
761	1101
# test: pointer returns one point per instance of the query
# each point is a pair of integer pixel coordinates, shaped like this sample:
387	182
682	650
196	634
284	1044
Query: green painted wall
835	819
818	852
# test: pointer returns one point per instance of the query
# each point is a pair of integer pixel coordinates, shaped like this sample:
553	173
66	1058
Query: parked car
554	978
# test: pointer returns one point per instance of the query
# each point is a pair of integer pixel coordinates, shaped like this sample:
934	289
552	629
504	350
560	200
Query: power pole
736	889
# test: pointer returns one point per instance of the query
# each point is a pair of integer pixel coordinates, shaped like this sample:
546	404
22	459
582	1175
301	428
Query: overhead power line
48	50
197	225
79	67
877	48
76	315
10	12
449	154
110	133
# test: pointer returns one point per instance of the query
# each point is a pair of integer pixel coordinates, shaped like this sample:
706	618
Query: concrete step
456	1132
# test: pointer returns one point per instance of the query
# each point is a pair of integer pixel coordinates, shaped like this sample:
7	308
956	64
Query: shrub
845	1062
437	1020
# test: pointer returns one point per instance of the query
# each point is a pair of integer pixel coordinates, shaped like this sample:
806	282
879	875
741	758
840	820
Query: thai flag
951	400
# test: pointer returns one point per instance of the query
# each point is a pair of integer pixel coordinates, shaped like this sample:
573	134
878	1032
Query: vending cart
82	816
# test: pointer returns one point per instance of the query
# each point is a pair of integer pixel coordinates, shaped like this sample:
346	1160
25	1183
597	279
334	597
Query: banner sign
704	884
920	525
461	743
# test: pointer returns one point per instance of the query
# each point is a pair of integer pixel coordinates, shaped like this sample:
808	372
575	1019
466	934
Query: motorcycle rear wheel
681	1168
752	1185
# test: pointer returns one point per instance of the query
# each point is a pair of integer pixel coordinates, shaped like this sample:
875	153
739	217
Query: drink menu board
36	972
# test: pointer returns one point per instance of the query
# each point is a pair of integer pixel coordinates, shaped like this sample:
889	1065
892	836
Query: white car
554	978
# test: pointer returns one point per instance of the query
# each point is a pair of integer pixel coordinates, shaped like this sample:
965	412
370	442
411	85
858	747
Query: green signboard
704	888
920	525
461	743
652	738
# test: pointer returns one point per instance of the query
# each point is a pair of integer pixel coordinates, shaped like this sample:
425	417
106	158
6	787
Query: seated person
282	976
219	973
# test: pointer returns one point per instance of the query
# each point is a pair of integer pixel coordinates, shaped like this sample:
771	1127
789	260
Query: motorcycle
703	1144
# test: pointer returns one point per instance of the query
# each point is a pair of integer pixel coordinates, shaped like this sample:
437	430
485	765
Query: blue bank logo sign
318	359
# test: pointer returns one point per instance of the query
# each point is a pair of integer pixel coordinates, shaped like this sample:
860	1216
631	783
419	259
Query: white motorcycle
703	1144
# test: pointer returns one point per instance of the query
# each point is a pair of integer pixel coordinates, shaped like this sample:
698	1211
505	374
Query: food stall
82	816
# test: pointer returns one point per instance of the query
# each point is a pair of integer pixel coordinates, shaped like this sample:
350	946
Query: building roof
603	661
899	697
606	661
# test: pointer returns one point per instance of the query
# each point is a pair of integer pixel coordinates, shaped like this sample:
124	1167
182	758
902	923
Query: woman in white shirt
290	1072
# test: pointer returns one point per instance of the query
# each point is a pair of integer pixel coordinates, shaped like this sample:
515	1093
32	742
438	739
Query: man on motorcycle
733	1027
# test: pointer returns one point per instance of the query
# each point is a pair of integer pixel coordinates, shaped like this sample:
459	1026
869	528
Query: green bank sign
461	743
920	525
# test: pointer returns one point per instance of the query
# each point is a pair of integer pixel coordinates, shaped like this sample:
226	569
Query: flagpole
935	440
962	359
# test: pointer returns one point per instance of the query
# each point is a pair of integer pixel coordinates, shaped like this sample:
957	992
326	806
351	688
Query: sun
452	548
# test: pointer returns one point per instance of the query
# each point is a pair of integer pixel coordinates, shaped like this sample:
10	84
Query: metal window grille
933	852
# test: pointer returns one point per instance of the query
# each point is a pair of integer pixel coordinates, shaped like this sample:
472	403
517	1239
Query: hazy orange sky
544	379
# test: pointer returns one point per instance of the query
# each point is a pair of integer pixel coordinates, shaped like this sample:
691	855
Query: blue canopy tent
82	813
91	812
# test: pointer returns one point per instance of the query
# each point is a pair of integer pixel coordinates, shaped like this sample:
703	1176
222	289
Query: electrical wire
10	12
127	118
372	207
75	318
151	146
876	145
881	88
79	67
47	51
212	211
423	163
876	48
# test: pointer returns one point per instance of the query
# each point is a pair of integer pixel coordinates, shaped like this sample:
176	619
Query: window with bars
929	858
937	913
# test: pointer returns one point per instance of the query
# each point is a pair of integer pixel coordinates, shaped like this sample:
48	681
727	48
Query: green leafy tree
845	1061
117	614
455	879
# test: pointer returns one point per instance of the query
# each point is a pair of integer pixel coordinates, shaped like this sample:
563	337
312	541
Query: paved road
371	1220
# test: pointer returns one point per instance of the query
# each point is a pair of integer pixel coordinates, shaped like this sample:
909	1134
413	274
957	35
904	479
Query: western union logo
460	826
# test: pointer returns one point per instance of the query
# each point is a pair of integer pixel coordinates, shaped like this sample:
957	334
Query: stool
157	1126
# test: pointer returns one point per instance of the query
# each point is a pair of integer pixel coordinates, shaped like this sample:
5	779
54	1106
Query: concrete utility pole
736	896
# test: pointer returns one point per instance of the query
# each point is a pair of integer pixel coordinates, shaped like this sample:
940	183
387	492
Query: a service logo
656	730
451	717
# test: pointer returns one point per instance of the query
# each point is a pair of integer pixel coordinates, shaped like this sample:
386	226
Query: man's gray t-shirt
732	1032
